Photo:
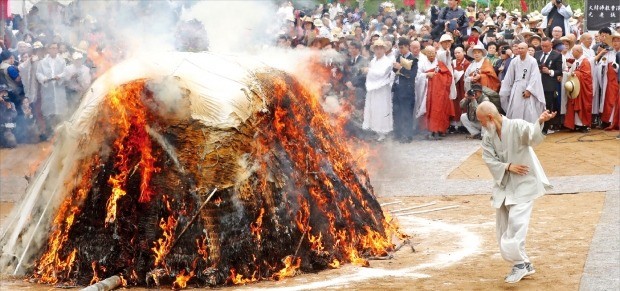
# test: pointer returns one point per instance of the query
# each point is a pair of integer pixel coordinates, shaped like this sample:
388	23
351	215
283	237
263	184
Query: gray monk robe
522	75
518	138
513	194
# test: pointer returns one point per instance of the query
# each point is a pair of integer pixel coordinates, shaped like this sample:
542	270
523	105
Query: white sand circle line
468	243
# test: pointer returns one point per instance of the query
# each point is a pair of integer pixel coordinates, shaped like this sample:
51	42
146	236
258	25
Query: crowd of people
410	73
49	61
404	72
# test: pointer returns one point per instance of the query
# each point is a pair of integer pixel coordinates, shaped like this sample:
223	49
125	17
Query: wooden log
105	285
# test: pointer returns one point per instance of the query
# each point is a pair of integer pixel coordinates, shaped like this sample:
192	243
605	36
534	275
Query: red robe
615	123
488	77
460	89
438	104
582	105
611	95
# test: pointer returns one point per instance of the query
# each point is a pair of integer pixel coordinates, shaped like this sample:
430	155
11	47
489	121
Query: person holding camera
475	96
451	18
557	15
8	113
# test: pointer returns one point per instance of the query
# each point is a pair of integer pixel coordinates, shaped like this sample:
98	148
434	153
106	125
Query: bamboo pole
429	210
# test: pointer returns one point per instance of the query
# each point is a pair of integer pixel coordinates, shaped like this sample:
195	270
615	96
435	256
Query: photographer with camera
469	105
557	15
451	18
8	113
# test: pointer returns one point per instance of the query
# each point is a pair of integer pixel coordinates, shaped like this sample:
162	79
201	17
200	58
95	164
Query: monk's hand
518	169
527	94
430	74
546	116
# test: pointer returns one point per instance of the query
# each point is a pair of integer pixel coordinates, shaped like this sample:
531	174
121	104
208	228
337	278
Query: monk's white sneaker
530	269
518	272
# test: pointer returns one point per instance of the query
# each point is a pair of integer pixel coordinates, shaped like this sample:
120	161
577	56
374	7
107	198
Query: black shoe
451	129
43	137
462	129
583	129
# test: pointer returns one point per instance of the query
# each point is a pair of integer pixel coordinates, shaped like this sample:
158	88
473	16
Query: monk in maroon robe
459	64
582	105
439	108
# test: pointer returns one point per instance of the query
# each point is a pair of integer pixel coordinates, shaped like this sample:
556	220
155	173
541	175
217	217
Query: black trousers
552	104
403	104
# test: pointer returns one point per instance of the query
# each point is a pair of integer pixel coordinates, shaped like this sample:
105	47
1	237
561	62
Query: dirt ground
455	248
562	154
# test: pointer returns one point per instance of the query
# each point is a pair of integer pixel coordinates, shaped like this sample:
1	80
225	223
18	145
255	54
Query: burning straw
291	196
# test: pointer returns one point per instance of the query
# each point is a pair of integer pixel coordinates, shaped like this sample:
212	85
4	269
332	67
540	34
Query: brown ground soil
562	154
560	233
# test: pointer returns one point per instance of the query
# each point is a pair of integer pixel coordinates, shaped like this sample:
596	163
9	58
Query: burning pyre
244	182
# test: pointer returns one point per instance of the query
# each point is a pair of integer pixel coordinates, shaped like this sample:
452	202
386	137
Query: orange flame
217	201
181	280
291	265
315	242
203	247
255	227
162	245
51	266
95	278
237	279
335	264
130	119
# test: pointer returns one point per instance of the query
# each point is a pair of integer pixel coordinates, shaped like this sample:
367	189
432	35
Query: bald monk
518	179
522	94
439	107
579	110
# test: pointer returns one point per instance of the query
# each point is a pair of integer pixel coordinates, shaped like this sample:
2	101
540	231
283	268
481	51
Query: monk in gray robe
522	95
518	179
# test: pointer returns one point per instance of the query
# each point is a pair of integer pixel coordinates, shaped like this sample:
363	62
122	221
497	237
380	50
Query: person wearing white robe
77	78
604	60
50	73
518	179
586	43
443	55
378	105
424	65
522	94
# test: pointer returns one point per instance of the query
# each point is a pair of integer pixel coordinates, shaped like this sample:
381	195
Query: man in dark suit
550	65
355	74
403	100
354	79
